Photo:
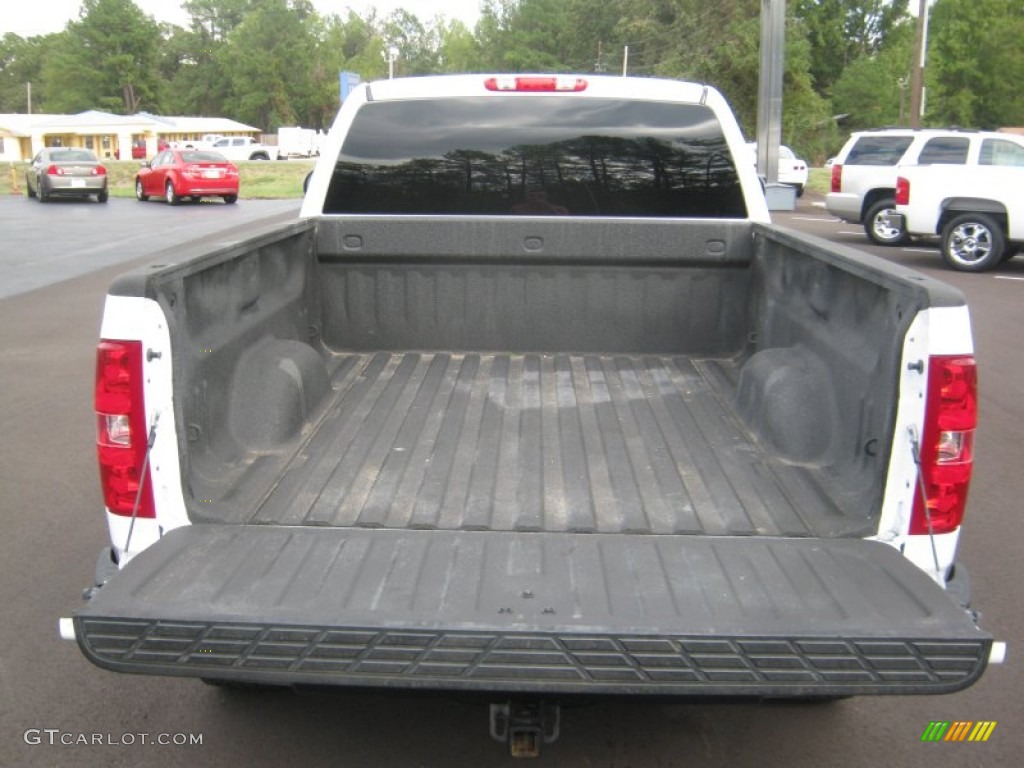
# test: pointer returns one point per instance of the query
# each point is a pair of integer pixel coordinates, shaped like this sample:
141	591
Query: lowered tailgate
532	612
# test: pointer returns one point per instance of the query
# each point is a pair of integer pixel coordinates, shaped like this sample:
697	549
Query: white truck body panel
138	319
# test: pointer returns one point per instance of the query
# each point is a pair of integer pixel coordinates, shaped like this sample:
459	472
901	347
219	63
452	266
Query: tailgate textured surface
542	443
522	611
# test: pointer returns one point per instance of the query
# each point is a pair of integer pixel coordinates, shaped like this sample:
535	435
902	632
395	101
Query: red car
187	173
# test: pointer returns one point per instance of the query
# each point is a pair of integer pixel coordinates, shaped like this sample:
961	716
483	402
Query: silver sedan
66	172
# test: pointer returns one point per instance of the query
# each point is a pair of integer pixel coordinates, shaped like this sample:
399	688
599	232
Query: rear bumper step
520	662
533	613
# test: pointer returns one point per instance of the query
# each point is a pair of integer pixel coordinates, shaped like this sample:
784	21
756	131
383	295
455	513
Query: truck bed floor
535	442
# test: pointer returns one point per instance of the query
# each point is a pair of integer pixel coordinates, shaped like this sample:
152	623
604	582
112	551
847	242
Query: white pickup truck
977	211
206	141
534	401
238	149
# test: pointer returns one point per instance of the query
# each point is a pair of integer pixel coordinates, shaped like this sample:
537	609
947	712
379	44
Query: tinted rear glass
536	155
947	150
878	150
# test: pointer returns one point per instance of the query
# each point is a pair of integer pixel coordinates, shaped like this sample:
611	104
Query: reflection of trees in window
588	175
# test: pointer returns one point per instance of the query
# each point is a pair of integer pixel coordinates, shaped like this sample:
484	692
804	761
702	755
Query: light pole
902	83
917	73
390	56
769	97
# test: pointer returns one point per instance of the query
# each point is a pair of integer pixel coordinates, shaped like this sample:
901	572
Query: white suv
864	172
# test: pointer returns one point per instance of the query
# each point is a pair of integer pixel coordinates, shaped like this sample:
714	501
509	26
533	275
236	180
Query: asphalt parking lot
55	263
67	238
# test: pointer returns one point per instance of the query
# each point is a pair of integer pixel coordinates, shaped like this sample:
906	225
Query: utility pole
28	90
917	73
625	61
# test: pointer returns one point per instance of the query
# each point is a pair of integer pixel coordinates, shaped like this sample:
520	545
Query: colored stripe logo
958	730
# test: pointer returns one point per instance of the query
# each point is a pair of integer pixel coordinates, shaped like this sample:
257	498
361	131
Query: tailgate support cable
150	439
915	449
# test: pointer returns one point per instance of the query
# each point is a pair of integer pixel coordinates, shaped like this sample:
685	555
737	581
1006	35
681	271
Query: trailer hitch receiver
525	725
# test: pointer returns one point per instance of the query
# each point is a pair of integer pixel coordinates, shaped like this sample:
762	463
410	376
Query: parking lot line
1007	277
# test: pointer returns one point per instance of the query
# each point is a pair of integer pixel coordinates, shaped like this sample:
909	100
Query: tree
216	18
874	90
459	50
267	60
191	64
719	44
975	66
21	62
418	45
842	31
106	60
524	36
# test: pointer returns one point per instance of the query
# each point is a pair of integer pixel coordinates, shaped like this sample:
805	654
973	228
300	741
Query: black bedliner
589	443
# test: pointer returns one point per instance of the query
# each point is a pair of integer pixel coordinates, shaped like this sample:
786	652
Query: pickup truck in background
977	211
238	149
533	401
206	141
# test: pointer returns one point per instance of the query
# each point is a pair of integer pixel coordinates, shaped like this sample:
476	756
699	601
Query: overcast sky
38	17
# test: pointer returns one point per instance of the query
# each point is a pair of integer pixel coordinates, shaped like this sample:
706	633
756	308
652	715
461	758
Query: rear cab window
536	155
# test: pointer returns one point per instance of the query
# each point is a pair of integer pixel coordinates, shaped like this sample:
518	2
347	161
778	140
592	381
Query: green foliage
276	62
874	91
459	49
107	60
21	62
843	31
267	58
975	63
524	36
191	64
214	19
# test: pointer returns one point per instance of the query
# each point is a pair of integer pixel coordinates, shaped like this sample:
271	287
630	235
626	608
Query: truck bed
589	443
518	456
362	373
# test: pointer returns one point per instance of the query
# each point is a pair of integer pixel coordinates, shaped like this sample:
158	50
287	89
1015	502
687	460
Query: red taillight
99	170
54	170
837	177
902	191
121	433
535	84
947	447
